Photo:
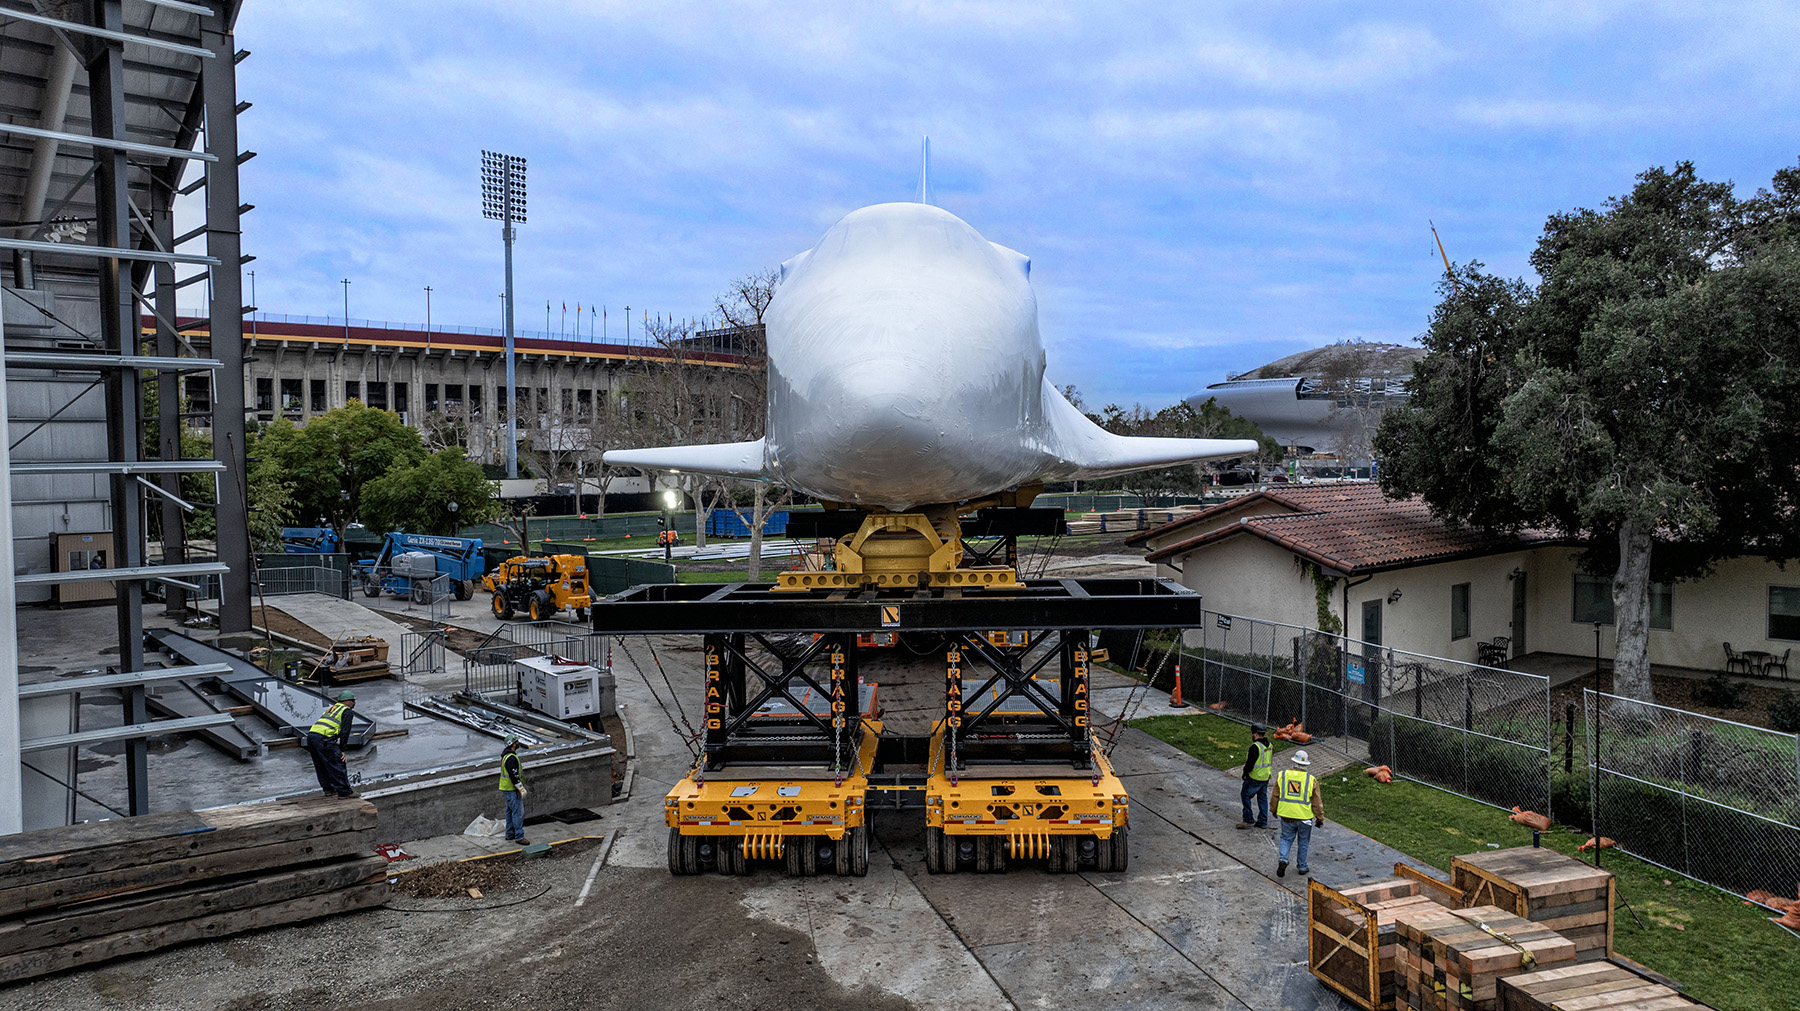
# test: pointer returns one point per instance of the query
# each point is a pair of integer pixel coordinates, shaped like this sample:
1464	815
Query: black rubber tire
502	608
997	859
859	851
371	587
809	856
954	855
690	854
465	589
934	850
840	853
675	865
581	614
984	854
421	593
1103	855
1053	860
1121	849
740	862
542	607
791	850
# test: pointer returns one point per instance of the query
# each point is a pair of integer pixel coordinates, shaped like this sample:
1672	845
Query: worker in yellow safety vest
512	786
325	743
1301	808
1257	767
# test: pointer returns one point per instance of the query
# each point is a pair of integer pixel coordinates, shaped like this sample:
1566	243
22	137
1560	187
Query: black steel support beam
218	83
695	608
124	391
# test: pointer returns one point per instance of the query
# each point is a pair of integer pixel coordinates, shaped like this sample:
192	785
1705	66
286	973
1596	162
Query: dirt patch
492	876
275	620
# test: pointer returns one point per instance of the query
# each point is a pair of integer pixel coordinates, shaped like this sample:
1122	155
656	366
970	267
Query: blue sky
1201	187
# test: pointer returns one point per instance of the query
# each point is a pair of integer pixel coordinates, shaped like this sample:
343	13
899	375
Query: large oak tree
1643	396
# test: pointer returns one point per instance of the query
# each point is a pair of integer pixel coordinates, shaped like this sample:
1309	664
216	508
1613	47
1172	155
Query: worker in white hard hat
1300	805
512	787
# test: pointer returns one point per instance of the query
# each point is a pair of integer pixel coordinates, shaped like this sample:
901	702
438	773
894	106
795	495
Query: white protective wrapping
905	369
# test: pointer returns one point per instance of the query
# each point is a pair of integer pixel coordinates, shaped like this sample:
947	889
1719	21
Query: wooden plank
163	874
76	850
25	965
96	919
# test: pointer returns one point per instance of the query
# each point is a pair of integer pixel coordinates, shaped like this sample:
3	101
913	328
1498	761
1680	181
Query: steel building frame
161	87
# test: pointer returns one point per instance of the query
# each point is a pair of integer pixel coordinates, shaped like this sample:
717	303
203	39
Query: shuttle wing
724	459
1087	451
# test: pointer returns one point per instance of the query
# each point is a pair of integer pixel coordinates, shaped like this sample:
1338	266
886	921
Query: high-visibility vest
1293	796
509	767
330	722
1265	755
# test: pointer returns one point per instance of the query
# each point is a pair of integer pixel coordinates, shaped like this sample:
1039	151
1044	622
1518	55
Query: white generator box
564	689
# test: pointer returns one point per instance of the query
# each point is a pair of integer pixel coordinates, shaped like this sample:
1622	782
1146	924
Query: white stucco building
1407	580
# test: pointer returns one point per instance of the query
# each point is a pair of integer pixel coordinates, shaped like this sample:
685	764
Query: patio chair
1777	664
1735	660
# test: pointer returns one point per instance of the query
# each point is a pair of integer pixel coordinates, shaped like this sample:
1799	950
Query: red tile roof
1347	528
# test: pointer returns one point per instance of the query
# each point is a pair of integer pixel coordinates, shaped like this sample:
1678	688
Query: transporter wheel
998	858
371	586
809	856
690	854
464	588
1121	849
964	850
738	862
934	850
676	866
706	853
790	848
541	606
984	854
581	614
1087	853
859	850
502	609
1053	860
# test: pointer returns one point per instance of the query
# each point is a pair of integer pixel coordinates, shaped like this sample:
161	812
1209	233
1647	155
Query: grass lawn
712	577
1726	952
1213	739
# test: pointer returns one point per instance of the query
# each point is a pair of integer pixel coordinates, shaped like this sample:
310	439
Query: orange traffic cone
1175	696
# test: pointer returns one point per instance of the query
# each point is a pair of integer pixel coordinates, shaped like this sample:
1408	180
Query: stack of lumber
1454	959
81	894
1560	892
1589	986
1351	935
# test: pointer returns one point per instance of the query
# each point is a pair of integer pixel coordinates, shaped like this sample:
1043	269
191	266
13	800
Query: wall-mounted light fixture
1394	598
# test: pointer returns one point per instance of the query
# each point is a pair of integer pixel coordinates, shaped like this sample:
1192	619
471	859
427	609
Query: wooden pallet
1454	959
1573	898
1351	936
1589	986
81	894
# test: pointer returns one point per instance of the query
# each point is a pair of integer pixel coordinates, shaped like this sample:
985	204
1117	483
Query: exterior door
1371	622
1518	618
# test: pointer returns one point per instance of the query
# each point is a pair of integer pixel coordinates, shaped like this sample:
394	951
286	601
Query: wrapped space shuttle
906	374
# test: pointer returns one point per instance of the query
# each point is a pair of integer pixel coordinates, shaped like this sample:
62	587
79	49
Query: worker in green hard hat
512	786
325	743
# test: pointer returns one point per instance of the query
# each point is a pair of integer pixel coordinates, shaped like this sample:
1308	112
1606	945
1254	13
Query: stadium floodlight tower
503	198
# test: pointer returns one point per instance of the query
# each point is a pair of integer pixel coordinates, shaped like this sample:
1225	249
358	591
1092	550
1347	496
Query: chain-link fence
1705	797
1482	732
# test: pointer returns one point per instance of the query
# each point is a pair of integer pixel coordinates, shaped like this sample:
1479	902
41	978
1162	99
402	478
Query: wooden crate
1351	936
1589	986
1574	899
1454	959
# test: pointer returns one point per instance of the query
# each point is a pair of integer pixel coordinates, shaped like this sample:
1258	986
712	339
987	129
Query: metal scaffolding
88	218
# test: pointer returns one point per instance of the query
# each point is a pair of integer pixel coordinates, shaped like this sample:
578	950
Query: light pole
428	318
668	536
454	507
346	313
503	198
628	331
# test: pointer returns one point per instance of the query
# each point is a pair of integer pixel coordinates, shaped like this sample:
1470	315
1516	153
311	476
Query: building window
431	397
474	401
452	398
1594	602
584	402
568	402
319	406
290	396
1459	611
199	394
352	391
1784	612
378	396
542	402
265	394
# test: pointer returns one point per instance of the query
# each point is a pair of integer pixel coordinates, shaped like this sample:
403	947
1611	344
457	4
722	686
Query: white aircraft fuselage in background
905	369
